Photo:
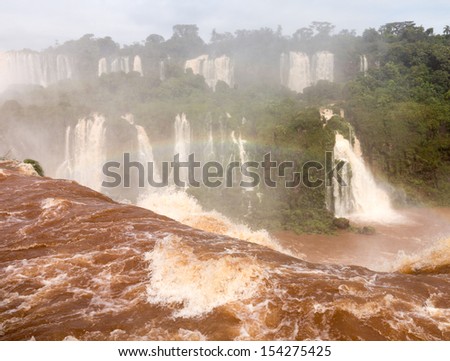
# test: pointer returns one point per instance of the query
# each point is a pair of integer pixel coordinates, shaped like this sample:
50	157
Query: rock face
118	64
298	70
27	67
212	69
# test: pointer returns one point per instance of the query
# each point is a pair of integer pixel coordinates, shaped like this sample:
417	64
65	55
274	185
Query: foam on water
434	259
178	205
179	276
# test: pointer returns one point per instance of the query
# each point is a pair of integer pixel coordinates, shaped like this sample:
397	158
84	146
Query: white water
209	148
362	199
26	67
212	70
119	64
297	71
102	67
85	152
179	276
178	205
363	64
145	150
137	65
162	70
240	144
182	142
323	66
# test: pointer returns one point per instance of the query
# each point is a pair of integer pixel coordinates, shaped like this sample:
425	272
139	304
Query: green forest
399	109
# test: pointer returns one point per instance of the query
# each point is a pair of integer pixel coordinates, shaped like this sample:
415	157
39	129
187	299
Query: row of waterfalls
87	148
298	70
26	67
120	64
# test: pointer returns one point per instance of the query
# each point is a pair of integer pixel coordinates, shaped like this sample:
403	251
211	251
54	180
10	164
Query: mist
322	130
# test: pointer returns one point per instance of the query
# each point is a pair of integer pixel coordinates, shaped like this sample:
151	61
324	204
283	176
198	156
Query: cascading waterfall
102	67
363	64
213	70
295	71
145	149
360	198
243	158
120	64
137	65
182	142
26	67
209	153
162	70
298	72
85	152
240	144
323	66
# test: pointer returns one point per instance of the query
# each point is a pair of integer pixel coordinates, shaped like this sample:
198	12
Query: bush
37	167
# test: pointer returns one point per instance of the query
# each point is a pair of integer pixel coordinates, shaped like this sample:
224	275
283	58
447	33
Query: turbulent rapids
75	264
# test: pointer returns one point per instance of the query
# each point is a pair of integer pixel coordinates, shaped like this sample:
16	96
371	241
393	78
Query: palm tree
446	30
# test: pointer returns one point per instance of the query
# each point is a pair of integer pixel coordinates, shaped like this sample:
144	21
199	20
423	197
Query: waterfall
297	72
243	158
63	67
137	65
209	148
213	70
162	70
182	142
224	71
102	67
240	144
363	64
26	67
85	152
361	198
323	66
120	64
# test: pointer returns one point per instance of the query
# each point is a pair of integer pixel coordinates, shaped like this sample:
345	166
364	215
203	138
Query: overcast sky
40	23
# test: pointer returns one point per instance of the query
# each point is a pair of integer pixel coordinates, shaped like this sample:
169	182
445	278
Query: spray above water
86	153
177	204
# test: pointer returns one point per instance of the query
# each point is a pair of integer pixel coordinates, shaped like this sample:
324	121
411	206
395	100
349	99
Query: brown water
75	264
424	229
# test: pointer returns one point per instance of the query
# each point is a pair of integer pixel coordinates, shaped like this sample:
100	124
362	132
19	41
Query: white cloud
37	24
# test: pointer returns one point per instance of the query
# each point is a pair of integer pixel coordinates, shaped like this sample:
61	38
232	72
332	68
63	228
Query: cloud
38	24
